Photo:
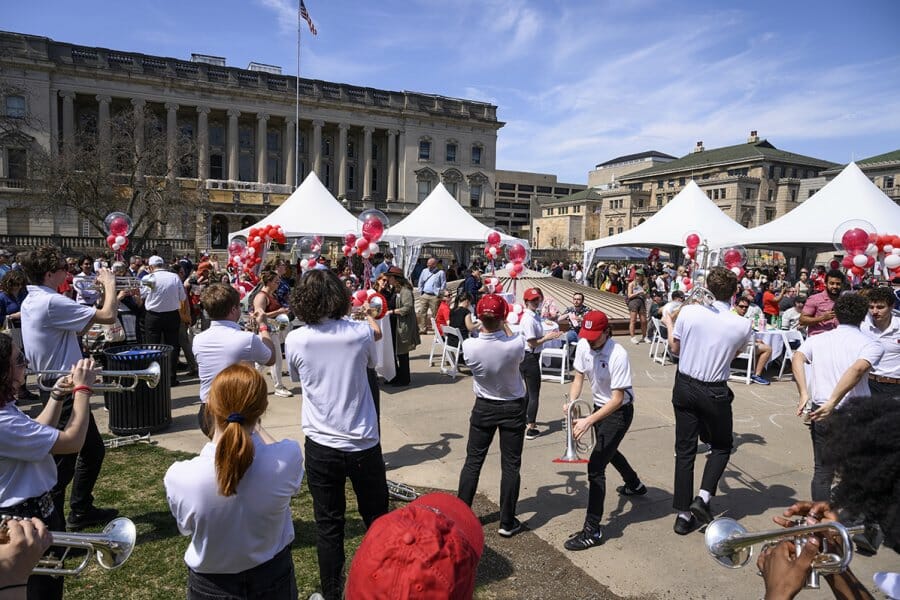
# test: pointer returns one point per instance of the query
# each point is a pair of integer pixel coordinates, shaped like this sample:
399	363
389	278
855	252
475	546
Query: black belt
428	294
39	506
699	381
880	379
162	312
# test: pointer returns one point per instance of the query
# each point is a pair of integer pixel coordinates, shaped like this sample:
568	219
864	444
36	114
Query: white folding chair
659	346
548	363
437	342
789	336
450	355
749	355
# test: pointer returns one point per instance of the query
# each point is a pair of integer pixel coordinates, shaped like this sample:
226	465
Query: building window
351	149
770	214
424	188
451	153
16	164
794	173
453	188
273	140
374	151
543	189
15	107
659	184
659	200
771	195
246	158
216	134
715	195
748	192
216	166
475	195
611	231
621	229
328	175
887	181
326	145
351	177
671	183
424	149
374	179
476	154
681	181
793	195
273	169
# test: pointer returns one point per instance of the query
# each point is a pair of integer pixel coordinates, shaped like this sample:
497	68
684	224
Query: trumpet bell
152	374
718	534
121	535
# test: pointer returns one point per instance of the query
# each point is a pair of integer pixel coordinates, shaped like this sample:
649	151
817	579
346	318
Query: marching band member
499	405
329	357
707	339
234	500
605	365
883	326
267	304
51	324
27	469
530	367
162	301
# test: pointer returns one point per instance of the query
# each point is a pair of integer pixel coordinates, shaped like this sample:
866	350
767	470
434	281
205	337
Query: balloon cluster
246	254
859	241
493	285
734	259
360	297
889	247
514	316
308	250
118	228
492	245
691	241
517	255
372	225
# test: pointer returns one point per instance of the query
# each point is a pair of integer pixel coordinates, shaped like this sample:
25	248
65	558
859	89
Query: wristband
82	388
263	328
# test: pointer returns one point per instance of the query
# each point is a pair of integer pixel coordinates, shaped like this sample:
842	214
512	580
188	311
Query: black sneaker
700	510
685	526
508	532
94	516
584	539
627	491
532	433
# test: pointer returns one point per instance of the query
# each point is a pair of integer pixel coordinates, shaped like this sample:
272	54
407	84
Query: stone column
68	120
290	152
262	120
233	164
171	140
103	119
317	147
138	105
367	162
342	160
203	142
392	164
401	167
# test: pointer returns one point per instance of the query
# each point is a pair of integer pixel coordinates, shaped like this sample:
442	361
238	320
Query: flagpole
297	108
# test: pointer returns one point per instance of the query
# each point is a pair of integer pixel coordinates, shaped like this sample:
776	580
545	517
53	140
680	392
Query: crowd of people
233	500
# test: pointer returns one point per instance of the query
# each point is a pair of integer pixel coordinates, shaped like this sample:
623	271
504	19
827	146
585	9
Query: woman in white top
27	468
234	500
636	296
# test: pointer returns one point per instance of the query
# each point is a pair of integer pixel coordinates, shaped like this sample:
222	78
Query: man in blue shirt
432	282
474	284
5	267
383	266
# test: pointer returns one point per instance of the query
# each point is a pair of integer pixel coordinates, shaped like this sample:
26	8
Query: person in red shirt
818	280
443	313
770	302
818	311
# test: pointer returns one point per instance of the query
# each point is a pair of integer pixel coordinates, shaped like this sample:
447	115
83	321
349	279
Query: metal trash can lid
139	353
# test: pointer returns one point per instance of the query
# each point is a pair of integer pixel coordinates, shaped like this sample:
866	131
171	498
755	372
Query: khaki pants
423	304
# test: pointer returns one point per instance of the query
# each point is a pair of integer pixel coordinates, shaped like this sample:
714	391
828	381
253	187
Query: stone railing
93	245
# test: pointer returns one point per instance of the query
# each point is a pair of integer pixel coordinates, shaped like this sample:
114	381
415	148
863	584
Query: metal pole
297	108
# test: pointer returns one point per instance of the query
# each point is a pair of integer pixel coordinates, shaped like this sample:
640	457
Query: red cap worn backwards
427	549
531	294
593	325
493	305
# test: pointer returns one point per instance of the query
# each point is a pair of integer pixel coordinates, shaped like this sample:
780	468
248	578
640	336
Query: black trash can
144	409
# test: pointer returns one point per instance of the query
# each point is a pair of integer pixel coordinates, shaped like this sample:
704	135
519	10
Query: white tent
690	210
849	196
310	210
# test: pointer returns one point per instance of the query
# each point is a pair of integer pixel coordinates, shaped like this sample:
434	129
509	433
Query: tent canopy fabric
439	218
310	210
849	196
690	210
621	253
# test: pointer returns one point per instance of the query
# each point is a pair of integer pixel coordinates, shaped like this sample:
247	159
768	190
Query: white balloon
518	308
304	263
892	261
373	248
860	260
370	292
120	240
888	248
512	318
872	250
251	250
895	251
686	251
365	253
736	271
117	246
493	251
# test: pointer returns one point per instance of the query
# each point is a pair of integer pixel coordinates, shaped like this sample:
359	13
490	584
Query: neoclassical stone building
370	147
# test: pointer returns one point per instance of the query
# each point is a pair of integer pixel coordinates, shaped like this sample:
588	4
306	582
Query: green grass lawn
132	481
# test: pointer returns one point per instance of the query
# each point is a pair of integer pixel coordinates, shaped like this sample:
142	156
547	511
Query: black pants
530	368
402	365
372	376
163	328
44	587
274	579
888	389
823	475
487	417
80	469
700	405
609	433
327	470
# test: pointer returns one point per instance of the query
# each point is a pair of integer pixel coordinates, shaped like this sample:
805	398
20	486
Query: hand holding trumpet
84	372
21	546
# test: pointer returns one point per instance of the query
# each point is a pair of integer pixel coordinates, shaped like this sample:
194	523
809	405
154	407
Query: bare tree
127	164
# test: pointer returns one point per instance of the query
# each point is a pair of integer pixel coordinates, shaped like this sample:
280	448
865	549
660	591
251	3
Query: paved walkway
424	428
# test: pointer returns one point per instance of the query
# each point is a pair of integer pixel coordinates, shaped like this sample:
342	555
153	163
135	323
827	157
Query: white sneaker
283	392
635	339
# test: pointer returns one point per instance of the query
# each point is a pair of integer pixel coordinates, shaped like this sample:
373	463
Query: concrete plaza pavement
424	440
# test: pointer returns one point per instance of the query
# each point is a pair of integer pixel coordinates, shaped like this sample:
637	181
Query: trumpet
122	283
578	409
401	491
731	545
111	547
151	375
127	440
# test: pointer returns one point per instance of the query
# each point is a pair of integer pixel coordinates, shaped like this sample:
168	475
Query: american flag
304	14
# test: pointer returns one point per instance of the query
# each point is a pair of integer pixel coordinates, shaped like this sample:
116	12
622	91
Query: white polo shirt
27	468
166	294
329	359
51	323
889	365
235	533
830	354
222	345
711	337
606	369
493	359
532	328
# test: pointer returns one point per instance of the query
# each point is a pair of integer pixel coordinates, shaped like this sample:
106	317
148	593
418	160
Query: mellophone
151	375
731	545
111	547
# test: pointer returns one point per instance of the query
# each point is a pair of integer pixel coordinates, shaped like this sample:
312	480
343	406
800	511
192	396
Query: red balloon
350	239
373	229
362	244
855	239
871	262
847	262
493	238
517	252
686	281
692	240
111	239
858	271
118	226
834	265
517	268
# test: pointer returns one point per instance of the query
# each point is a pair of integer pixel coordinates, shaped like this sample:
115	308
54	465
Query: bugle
111	547
731	545
401	491
127	440
575	449
150	375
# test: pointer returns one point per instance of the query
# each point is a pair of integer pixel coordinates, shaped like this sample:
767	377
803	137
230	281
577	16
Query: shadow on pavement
416	454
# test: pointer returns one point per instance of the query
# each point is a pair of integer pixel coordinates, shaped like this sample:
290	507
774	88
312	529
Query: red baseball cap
532	294
493	305
593	325
427	549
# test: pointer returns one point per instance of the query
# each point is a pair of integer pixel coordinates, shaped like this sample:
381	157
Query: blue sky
577	82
